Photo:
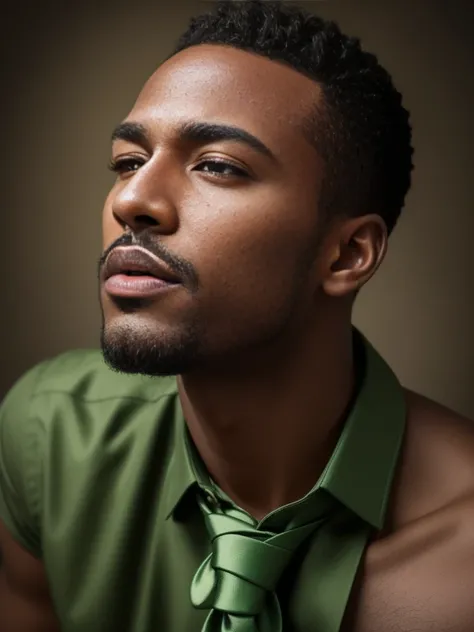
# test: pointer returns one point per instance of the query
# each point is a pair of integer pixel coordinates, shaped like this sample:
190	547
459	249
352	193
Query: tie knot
244	566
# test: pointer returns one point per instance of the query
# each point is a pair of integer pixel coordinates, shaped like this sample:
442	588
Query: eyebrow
194	131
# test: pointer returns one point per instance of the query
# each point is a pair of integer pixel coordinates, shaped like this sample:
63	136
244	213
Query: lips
135	262
131	272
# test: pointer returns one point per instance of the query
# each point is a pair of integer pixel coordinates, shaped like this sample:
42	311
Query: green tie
237	581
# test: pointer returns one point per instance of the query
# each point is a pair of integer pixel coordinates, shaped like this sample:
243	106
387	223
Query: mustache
180	266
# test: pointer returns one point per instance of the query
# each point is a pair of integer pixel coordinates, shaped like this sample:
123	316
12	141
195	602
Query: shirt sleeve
20	462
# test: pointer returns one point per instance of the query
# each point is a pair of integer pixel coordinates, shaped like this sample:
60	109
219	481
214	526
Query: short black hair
361	130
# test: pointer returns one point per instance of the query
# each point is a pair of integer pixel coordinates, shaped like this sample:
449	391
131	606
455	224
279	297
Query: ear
354	250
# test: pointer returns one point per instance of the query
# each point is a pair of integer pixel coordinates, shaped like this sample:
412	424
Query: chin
148	348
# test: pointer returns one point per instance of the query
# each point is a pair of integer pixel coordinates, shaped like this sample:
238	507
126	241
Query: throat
265	434
264	468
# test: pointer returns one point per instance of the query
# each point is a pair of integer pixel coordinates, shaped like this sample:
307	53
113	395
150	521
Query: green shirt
98	479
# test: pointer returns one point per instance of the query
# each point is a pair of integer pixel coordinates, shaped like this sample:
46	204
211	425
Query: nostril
146	220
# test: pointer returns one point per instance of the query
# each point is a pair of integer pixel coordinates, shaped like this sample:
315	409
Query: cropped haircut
359	126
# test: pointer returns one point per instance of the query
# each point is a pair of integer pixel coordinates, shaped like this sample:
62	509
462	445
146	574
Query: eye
125	165
221	169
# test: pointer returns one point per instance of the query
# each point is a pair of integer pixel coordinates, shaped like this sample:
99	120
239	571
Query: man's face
235	222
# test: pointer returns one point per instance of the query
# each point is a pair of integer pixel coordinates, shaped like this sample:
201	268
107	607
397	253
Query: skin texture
271	313
275	292
251	240
418	574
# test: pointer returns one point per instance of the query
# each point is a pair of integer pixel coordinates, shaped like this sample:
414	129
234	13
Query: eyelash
119	166
123	165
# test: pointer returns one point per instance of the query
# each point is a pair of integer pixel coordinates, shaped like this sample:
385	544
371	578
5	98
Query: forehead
220	83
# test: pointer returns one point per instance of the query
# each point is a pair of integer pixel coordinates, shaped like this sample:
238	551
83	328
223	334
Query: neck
265	426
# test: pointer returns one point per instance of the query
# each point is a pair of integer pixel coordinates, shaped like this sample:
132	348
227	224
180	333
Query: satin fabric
96	481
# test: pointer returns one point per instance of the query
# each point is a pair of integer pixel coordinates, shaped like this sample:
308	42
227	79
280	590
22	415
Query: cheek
251	258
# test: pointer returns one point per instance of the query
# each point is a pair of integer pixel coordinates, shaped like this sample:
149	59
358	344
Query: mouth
136	286
133	272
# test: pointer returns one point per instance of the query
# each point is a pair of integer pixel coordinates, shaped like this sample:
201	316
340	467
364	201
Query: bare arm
25	603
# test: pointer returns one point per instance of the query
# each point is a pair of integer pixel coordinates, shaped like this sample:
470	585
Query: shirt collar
180	476
360	471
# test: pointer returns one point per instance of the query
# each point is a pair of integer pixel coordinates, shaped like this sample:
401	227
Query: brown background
72	70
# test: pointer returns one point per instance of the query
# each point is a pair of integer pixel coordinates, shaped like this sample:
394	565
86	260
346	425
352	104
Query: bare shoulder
436	467
419	572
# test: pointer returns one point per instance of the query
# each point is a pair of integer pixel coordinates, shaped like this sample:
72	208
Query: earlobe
358	246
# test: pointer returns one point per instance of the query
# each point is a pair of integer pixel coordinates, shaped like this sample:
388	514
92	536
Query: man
243	460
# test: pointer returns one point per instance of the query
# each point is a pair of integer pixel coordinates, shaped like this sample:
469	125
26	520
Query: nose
145	200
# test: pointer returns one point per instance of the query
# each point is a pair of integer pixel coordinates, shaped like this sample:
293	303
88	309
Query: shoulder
421	574
72	404
436	465
68	396
83	375
420	569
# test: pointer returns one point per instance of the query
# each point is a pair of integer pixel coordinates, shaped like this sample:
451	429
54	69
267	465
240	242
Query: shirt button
211	500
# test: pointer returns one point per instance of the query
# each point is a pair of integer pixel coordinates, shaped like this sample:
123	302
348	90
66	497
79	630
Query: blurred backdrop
72	70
